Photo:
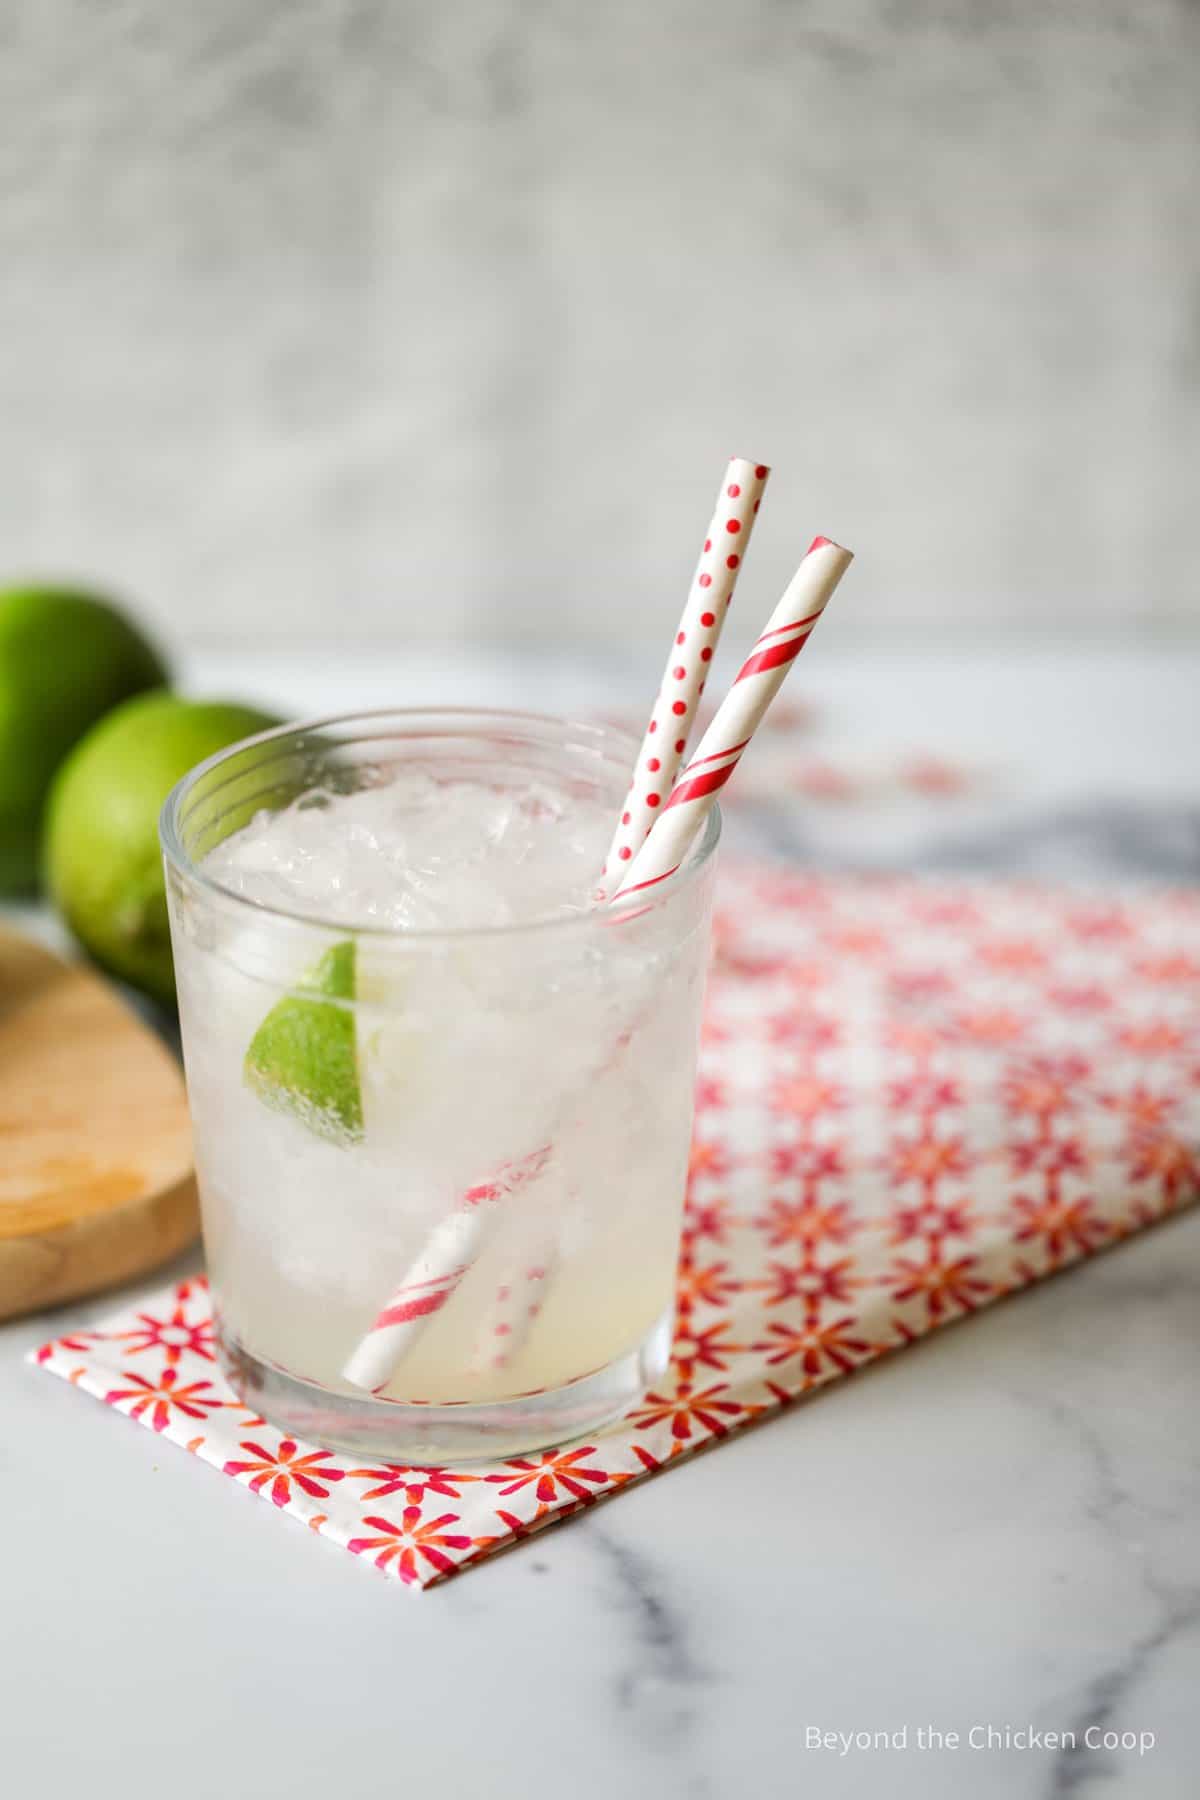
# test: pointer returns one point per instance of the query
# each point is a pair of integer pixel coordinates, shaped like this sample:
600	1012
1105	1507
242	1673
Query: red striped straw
725	545
450	1250
738	717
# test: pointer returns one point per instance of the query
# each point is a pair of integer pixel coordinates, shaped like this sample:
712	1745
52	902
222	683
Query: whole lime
103	864
65	659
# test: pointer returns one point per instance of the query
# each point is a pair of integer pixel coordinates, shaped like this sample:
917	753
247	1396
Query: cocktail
401	1007
440	1022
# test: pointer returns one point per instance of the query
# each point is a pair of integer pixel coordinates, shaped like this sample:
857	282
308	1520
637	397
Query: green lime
103	864
303	1058
65	659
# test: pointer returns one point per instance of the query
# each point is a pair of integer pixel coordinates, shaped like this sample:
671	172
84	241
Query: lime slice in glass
303	1059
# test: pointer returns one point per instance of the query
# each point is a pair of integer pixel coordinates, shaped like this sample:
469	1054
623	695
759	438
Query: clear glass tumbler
441	1171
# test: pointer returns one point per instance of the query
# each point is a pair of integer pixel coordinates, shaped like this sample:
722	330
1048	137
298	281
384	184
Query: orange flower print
710	1093
172	1336
749	964
79	1341
943	1285
822	781
1166	1160
407	1544
805	1029
862	943
929	1218
807	1097
806	973
707	1159
927	1159
992	1027
1144	1109
414	1484
1158	1037
710	1349
931	776
548	1473
712	1219
806	1222
1049	1156
950	913
914	987
285	1467
792	889
158	1401
924	1092
711	1409
808	1162
710	1285
1099	925
820	1348
811	1282
713	1029
1014	956
911	1038
1060	1224
1044	1086
1080	997
980	1087
1172	969
516	1528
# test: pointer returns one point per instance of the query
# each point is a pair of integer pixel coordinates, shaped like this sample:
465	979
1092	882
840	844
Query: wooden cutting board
95	1145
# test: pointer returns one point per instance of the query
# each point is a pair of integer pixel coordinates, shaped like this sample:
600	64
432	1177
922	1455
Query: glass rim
190	869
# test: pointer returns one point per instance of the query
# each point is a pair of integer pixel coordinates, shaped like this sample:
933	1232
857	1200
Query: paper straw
695	794
454	1245
725	545
505	1327
451	1249
738	717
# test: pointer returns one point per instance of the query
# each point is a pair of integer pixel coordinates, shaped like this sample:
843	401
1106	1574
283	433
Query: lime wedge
303	1058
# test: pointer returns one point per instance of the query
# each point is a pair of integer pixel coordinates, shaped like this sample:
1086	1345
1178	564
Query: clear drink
421	1062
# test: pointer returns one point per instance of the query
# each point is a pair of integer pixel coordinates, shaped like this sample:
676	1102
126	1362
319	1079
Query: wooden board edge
97	1252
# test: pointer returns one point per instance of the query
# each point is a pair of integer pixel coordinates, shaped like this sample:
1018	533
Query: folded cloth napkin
913	1100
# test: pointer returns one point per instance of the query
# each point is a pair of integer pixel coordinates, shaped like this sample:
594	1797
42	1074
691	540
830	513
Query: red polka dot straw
510	1315
738	716
703	616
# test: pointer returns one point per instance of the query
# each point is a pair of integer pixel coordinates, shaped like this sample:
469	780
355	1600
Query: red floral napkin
913	1100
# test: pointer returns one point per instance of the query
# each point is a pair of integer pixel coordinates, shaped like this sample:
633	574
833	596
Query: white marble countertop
997	1529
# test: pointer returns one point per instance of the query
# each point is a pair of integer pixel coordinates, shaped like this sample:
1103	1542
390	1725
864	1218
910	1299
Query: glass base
419	1435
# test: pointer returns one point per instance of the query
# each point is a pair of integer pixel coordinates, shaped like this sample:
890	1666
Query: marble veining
660	1689
1078	1767
1173	1607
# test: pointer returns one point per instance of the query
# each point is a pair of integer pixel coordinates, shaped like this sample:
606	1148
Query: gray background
417	322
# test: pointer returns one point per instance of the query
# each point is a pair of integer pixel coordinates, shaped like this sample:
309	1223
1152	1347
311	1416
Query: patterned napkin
913	1100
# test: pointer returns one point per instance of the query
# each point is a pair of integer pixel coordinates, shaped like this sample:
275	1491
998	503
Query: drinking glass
479	1135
